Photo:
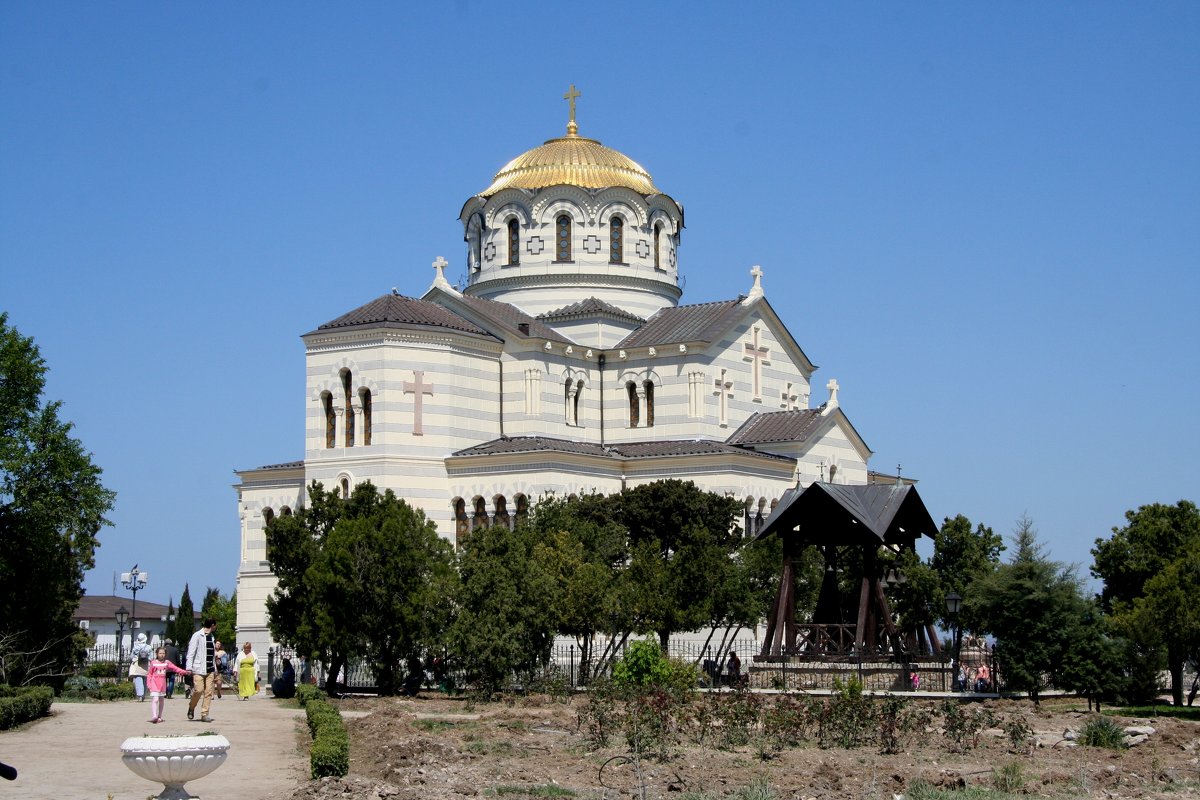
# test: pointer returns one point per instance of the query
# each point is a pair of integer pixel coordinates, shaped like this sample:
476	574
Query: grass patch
482	747
922	790
545	790
441	725
1191	713
1102	732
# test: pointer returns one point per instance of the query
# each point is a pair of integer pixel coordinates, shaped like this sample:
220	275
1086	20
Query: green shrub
116	691
642	665
962	726
330	752
306	692
100	669
1101	731
1009	778
844	721
24	704
81	686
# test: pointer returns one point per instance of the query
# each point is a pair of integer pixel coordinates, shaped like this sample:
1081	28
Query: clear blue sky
982	219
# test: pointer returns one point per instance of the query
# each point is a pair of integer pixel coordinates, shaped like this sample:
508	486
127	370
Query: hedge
330	753
24	704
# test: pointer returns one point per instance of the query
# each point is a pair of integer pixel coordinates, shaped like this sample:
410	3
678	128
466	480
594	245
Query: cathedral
566	364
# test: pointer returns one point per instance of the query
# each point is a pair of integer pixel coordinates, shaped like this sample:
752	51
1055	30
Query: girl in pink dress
156	682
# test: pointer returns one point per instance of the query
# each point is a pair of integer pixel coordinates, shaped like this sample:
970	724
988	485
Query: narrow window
364	400
562	249
268	521
567	402
616	241
480	520
345	488
634	414
330	419
649	387
462	525
501	517
514	242
268	517
578	395
657	247
347	380
522	508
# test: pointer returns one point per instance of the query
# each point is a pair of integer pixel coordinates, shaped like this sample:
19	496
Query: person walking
246	667
139	662
172	656
156	682
221	660
200	662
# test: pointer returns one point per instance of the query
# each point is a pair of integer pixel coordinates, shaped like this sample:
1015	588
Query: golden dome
572	160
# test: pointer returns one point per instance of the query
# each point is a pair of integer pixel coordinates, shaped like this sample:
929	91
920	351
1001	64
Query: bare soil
437	748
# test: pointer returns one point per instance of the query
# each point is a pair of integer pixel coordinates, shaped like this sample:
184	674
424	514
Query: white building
564	365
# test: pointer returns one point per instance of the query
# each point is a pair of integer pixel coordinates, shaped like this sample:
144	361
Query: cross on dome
572	93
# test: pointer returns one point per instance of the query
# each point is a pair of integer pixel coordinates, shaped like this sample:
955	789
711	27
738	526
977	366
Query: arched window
345	488
364	400
348	393
616	241
268	521
634	405
522	508
462	525
502	516
330	419
657	245
649	387
480	520
286	511
578	395
562	238
514	242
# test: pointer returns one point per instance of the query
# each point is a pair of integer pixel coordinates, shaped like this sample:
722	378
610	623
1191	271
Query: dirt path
76	751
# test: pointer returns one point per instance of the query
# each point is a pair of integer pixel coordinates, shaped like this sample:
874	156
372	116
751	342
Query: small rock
1139	730
1070	735
1133	741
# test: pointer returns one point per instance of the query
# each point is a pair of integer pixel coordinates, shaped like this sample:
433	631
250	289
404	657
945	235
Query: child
156	682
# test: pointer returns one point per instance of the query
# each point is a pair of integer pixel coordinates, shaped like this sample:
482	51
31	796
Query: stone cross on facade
440	264
723	392
419	389
756	291
758	355
833	387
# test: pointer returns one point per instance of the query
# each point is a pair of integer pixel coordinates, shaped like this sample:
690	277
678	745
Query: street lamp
167	620
134	581
122	616
953	606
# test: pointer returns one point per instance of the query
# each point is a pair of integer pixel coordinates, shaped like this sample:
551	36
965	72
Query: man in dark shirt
200	662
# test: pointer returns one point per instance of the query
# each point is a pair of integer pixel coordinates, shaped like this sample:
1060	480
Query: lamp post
953	606
122	616
167	620
134	581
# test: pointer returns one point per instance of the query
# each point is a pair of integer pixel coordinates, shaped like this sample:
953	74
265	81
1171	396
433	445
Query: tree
1034	607
363	577
52	506
691	534
962	556
1156	541
185	619
505	624
224	610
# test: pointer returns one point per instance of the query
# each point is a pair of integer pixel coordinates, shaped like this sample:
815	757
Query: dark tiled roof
104	606
284	465
396	310
698	323
778	426
591	307
626	450
508	318
828	512
534	444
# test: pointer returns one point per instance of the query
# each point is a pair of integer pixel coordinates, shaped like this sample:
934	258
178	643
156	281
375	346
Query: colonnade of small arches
755	514
352	412
475	515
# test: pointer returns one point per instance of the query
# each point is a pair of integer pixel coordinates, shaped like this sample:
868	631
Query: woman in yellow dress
246	667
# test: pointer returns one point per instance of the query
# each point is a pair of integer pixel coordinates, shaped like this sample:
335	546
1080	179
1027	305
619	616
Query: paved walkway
76	751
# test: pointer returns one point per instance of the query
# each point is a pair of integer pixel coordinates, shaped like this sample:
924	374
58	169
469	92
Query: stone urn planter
174	760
